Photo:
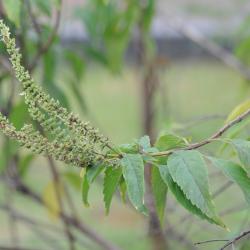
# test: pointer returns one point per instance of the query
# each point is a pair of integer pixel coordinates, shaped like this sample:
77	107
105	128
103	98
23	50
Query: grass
193	89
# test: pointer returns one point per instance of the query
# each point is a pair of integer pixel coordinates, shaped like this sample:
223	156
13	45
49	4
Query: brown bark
149	85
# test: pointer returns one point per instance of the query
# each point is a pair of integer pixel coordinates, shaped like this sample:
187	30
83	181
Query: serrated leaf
243	149
50	198
13	10
182	199
133	172
111	181
159	189
239	110
168	141
90	175
235	173
188	170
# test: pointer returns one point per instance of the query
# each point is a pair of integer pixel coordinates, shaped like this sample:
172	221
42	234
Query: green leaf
239	110
19	115
13	10
123	189
235	173
9	148
50	198
73	179
85	191
234	132
129	148
91	173
24	164
57	3
76	64
111	181
182	199
159	189
243	149
3	160
43	6
144	142
188	170
133	172
168	141
148	14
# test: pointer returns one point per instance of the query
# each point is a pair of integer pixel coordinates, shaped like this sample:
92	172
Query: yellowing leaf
83	172
50	198
238	110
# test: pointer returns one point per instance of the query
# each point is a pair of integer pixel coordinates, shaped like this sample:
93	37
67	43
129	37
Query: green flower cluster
67	137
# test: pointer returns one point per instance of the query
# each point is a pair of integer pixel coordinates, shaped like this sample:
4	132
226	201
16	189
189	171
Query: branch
45	47
231	242
56	179
79	225
213	48
208	241
14	248
215	136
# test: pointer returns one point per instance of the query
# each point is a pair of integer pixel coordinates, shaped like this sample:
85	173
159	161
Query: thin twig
56	179
213	48
79	225
14	248
209	241
38	225
239	237
35	24
46	46
222	189
229	242
215	136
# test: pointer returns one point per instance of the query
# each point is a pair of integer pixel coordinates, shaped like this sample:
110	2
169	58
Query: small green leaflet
111	181
144	142
243	149
235	173
182	199
133	172
234	132
89	177
188	170
13	10
129	148
166	142
239	110
170	141
159	189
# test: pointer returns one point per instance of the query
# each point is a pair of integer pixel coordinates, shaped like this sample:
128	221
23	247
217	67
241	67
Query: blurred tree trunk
149	84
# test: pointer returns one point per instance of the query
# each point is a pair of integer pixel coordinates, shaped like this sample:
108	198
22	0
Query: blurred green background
196	93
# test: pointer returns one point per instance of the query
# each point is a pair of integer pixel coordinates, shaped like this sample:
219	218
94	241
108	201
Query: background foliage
96	93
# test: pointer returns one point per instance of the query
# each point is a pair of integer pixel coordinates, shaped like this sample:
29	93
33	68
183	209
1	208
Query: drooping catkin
68	138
